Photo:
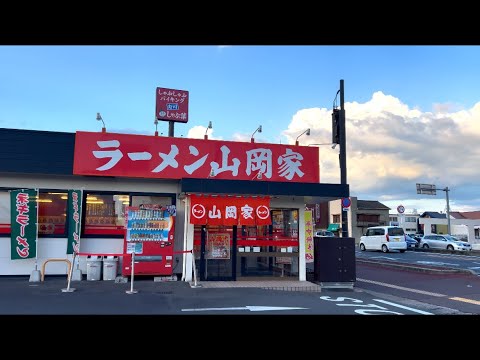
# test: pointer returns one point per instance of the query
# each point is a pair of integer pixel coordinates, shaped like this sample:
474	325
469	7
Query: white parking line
403	307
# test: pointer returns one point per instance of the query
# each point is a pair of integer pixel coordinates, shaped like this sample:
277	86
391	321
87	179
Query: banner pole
69	289
36	275
36	232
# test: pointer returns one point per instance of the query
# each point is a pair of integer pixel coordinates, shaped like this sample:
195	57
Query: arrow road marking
249	308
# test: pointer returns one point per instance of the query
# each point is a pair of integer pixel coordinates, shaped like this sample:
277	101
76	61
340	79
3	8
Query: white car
384	238
445	242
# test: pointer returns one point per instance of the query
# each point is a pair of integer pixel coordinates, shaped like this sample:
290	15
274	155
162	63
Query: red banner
218	210
110	154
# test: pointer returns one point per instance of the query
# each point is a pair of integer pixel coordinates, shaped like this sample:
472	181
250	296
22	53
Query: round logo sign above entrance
346	202
401	209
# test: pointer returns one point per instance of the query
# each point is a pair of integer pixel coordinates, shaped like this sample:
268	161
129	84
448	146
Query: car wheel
384	248
362	247
450	247
425	246
402	251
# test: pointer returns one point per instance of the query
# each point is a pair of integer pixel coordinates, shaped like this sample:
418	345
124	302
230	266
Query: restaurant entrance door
218	253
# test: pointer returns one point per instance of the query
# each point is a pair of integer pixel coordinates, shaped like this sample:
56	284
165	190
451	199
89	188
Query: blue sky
412	113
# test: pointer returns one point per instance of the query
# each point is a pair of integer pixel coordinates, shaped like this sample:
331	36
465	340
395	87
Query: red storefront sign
217	210
171	105
110	154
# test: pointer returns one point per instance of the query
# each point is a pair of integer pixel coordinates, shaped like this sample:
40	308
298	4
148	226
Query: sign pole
171	130
343	155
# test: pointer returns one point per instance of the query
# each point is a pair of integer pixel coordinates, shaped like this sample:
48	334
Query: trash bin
94	267
110	267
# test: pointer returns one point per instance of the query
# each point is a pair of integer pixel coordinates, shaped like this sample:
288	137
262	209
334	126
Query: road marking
249	308
382	257
402	288
474	268
470	301
436	263
403	307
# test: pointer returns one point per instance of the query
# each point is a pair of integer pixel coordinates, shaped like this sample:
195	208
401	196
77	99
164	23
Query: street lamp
99	118
206	130
306	132
259	129
333	145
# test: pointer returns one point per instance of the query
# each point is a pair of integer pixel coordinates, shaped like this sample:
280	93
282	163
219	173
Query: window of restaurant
270	250
52	216
105	212
4	213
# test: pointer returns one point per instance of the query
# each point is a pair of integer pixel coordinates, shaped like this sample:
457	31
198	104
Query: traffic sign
427	189
346	202
401	209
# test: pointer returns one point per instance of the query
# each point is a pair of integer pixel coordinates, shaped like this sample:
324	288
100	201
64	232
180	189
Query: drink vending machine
149	233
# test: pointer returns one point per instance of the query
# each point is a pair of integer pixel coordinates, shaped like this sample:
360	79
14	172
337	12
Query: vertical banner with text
308	236
23	220
74	212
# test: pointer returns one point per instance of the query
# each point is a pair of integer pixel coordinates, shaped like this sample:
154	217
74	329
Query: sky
412	112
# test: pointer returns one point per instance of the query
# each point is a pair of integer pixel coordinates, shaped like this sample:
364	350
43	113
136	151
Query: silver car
445	242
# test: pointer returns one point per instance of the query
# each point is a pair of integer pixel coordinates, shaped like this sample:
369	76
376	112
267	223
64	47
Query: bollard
195	285
131	291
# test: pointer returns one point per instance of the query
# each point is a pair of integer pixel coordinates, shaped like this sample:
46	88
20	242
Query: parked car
445	242
418	237
384	238
324	233
411	242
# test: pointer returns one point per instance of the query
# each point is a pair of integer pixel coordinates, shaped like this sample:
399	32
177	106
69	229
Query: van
384	238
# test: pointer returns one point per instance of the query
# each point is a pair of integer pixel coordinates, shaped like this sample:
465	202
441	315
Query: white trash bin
110	265
94	267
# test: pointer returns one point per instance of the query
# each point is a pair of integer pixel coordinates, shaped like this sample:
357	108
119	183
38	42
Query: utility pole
448	210
343	156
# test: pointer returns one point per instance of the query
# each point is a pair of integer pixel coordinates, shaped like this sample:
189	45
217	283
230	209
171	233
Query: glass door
217	254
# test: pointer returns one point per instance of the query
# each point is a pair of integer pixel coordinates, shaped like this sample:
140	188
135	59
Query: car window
395	231
370	232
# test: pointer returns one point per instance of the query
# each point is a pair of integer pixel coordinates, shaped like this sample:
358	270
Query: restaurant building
240	206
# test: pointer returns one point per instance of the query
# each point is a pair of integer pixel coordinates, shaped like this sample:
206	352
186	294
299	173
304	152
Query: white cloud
198	132
391	147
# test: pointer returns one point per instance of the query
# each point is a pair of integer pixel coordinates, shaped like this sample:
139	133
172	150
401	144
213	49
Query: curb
418	268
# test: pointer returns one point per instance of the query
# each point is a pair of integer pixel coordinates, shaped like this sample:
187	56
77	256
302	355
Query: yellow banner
308	236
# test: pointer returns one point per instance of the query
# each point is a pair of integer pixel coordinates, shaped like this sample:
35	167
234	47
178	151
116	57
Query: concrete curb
418	268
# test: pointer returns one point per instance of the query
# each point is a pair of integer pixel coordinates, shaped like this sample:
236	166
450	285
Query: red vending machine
149	233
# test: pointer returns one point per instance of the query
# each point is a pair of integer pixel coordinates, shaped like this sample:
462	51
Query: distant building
409	222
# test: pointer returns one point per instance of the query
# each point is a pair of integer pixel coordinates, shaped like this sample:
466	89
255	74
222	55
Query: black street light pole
343	156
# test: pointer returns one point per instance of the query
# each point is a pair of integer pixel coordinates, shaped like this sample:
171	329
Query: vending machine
149	233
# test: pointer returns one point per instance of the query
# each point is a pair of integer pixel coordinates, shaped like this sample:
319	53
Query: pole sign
427	189
74	220
346	202
401	209
171	105
23	220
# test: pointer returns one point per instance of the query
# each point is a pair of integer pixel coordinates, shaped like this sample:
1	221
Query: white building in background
409	222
